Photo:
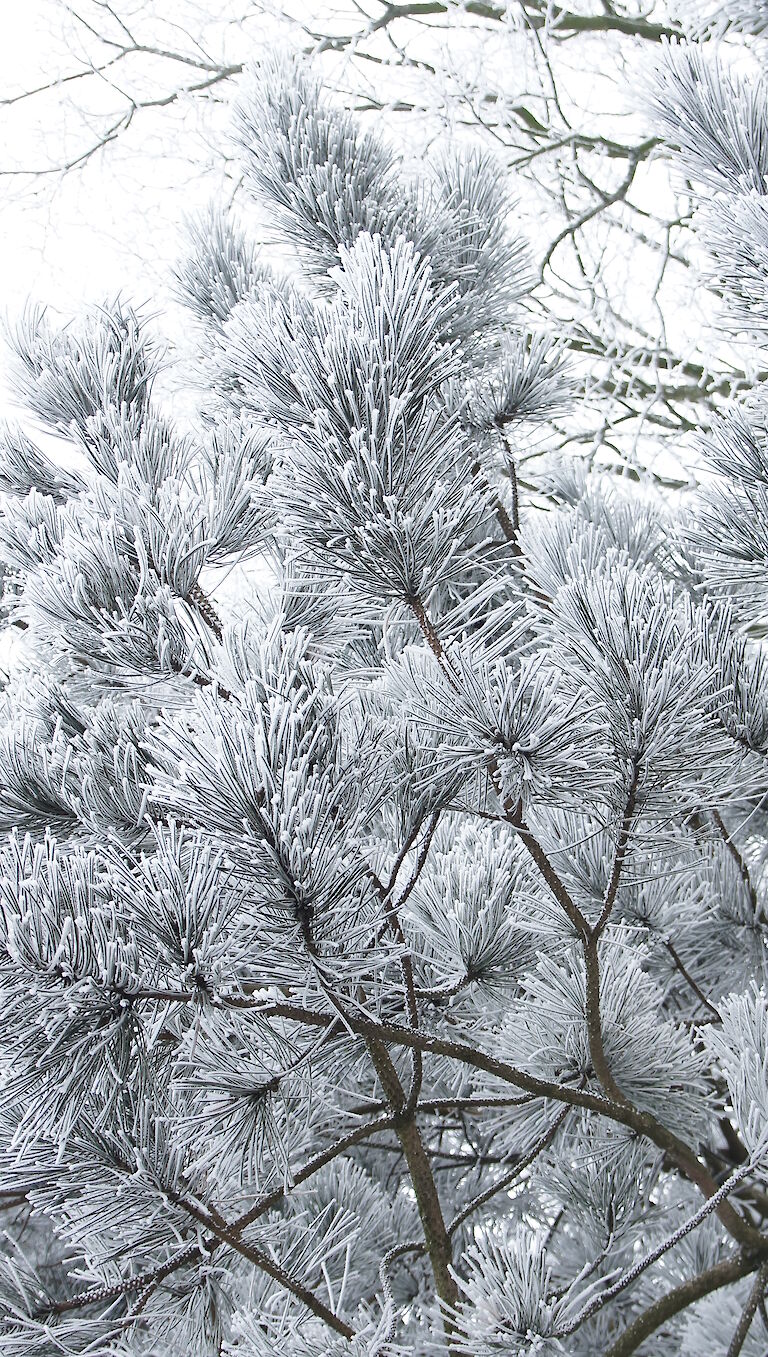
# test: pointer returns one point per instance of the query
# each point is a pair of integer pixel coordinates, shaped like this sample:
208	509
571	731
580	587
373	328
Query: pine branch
220	1230
506	1181
655	1254
299	1176
400	859
722	1274
512	469
436	1240
391	910
594	1025
591	951
621	852
622	1111
513	812
143	1282
167	1270
420	861
514	817
416	1247
428	629
390	1257
748	1313
146	1283
689	980
509	526
437	1106
741	865
439	995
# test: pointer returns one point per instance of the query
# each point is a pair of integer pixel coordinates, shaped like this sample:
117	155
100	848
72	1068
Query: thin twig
514	1173
632	1274
748	1313
685	973
722	1274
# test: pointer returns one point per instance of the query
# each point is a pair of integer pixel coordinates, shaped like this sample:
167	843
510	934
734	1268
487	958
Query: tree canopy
383	771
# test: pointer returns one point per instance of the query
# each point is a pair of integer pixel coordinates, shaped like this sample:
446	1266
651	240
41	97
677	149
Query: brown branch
621	852
146	1283
722	1274
142	1282
594	1024
437	1243
736	1147
561	22
439	993
590	943
477	1202
644	1123
685	973
508	525
402	855
589	936
514	817
512	469
391	910
420	861
220	1230
301	1175
748	1313
203	681
427	628
471	1104
741	865
523	1163
167	1270
439	1106
398	1035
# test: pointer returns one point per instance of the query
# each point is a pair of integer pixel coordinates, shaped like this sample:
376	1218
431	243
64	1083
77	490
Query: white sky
86	235
116	225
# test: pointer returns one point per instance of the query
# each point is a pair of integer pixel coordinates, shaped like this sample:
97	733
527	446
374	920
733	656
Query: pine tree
382	948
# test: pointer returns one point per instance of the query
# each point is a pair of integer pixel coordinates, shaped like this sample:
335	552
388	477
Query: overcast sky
114	225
